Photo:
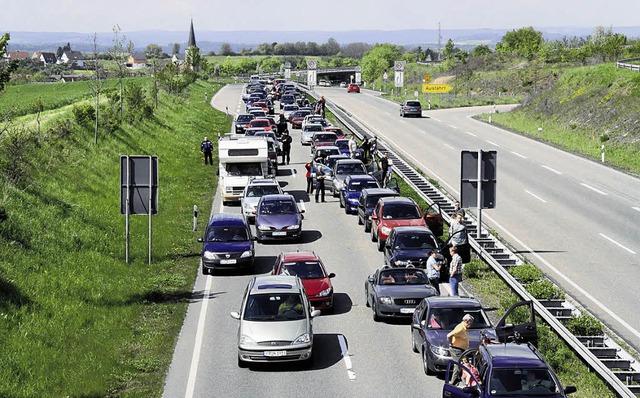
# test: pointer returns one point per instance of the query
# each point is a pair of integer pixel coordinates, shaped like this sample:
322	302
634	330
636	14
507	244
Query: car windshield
449	318
325	137
243	169
358	186
290	108
400	212
522	382
254	191
274	307
226	234
260	123
414	241
342	144
413	103
244	118
313	127
372	200
271	207
402	277
351	168
303	269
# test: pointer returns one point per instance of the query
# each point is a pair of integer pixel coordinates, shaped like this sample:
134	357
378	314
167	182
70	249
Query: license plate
231	261
407	310
279	233
275	353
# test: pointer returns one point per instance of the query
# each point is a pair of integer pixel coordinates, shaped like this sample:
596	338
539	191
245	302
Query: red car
391	212
264	124
353	88
297	118
309	268
336	130
261	104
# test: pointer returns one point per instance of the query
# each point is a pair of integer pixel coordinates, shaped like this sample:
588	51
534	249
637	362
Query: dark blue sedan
227	243
278	218
352	188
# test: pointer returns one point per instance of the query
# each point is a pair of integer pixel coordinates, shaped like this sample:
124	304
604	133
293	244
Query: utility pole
439	41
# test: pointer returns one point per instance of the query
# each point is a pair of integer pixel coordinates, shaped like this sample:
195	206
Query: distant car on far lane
353	88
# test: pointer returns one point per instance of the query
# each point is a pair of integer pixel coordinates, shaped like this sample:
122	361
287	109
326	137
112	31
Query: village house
72	57
46	58
137	60
17	55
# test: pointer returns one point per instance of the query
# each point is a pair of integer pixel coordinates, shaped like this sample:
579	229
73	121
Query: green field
75	319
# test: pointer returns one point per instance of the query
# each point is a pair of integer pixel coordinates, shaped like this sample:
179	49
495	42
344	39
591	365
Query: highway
574	218
354	356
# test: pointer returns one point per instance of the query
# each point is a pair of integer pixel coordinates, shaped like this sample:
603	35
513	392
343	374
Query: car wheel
367	227
414	347
380	245
373	236
426	362
366	299
241	363
376	317
205	271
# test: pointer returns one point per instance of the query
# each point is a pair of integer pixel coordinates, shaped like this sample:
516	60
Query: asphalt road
354	356
574	218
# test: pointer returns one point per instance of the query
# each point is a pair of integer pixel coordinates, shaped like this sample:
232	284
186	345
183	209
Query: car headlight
264	227
352	201
293	227
402	262
325	292
209	256
246	340
440	351
385	230
246	254
302	339
385	300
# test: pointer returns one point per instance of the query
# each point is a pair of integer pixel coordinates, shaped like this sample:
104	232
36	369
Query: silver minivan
275	321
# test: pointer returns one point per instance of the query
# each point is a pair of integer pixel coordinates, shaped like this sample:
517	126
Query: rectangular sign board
469	179
138	178
436	88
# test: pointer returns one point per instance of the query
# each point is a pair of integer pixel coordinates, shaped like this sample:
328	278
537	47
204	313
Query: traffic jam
423	261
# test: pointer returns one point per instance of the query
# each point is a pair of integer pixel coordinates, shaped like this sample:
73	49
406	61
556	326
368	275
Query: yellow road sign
436	88
427	78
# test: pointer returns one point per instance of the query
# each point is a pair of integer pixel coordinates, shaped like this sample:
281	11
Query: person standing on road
434	264
458	237
455	270
321	105
207	150
286	146
319	184
365	150
282	125
458	340
311	176
384	166
353	147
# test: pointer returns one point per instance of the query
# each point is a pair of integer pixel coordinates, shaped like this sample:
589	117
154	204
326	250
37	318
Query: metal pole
479	195
602	153
195	217
127	205
150	195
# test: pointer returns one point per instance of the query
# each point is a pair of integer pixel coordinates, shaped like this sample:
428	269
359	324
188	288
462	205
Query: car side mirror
315	313
332	275
200	240
374	216
416	326
371	279
235	314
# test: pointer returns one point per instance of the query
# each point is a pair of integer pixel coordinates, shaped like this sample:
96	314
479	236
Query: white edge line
519	155
535	196
449	146
594	189
493	143
452	126
436	119
636	208
617	244
470	133
551	169
347	359
567	280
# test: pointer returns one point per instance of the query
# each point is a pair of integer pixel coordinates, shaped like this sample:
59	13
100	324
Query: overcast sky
327	15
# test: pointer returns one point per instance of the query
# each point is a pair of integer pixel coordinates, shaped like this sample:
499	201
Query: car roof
299	256
277	197
349	161
396	199
227	219
511	355
360	177
411	229
263	181
379	191
276	283
453	302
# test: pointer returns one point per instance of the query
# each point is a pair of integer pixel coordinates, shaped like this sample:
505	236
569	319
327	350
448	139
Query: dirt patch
443	79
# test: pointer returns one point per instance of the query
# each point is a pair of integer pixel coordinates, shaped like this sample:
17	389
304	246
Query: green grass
75	319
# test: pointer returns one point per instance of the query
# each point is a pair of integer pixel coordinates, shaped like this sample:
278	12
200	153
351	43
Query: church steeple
192	37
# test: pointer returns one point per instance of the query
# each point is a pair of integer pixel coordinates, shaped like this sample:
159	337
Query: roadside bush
556	352
15	148
474	269
60	129
526	273
585	325
544	290
83	113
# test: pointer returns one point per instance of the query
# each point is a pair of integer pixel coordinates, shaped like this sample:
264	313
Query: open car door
460	391
393	184
518	324
434	220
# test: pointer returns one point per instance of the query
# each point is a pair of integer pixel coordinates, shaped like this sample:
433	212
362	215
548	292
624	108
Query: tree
175	49
225	49
379	59
153	51
331	47
193	58
96	85
37	106
481	50
525	42
119	55
449	50
6	68
138	107
270	64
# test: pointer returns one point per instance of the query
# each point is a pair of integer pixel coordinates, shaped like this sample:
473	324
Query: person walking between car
365	150
207	150
458	340
321	105
353	147
282	125
286	146
319	184
434	264
311	176
455	271
384	166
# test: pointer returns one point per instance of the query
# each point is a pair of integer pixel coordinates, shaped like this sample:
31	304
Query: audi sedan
395	292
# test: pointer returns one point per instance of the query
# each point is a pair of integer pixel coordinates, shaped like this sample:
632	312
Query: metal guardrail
601	353
623	63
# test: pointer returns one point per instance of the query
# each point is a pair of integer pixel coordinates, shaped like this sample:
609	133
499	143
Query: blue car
278	218
408	245
352	188
227	243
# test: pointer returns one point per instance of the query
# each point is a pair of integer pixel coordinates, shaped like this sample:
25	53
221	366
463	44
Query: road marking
422	131
436	119
449	146
616	243
536	196
470	133
552	170
493	143
566	279
517	154
347	358
594	189
302	206
452	126
636	208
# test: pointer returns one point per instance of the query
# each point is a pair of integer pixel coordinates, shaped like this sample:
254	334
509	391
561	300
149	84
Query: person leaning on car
434	265
458	340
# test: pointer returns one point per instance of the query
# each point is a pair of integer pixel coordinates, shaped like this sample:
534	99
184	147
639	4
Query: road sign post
478	181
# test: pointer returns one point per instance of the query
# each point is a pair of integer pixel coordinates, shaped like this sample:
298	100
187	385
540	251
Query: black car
242	121
409	246
368	200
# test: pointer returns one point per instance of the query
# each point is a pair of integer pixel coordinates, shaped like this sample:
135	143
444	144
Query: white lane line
567	280
636	208
517	154
470	133
347	359
535	196
452	126
594	189
616	243
449	146
493	143
422	131
436	119
552	170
